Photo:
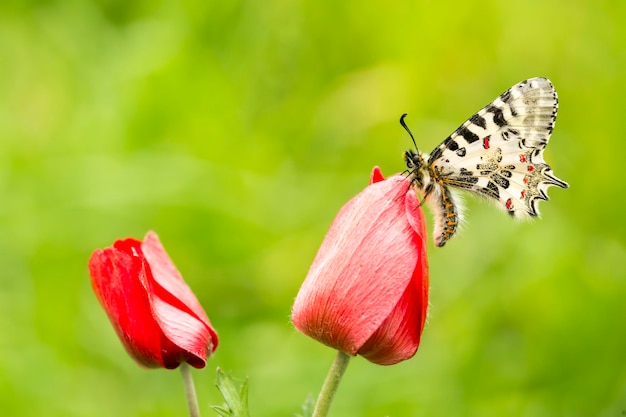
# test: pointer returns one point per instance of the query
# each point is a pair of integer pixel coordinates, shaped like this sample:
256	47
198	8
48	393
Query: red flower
367	290
156	316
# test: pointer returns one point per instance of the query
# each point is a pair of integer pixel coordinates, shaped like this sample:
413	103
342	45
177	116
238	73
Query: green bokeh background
237	129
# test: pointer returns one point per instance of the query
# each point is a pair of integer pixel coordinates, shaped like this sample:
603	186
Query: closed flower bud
155	314
366	292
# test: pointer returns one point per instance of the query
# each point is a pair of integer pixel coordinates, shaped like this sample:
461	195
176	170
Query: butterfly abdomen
446	211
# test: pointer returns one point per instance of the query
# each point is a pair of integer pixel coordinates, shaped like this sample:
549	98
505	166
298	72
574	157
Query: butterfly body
497	153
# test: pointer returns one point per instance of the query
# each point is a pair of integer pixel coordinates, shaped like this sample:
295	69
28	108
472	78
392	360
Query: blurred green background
237	129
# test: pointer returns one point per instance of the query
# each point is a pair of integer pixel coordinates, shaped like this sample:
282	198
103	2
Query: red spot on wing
522	158
531	168
486	142
526	179
523	194
509	204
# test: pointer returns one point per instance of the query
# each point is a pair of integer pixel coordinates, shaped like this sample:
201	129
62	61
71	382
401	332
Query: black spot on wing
500	180
451	144
461	152
498	116
436	154
491	190
533	208
479	121
464	182
506	96
468	135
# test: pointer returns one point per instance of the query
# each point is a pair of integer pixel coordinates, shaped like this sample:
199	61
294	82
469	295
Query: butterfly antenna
403	124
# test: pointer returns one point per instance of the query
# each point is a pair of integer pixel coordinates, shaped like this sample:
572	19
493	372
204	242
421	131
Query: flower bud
155	314
366	292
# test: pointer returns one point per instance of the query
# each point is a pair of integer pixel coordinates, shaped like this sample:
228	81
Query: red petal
181	317
377	175
117	280
398	338
167	276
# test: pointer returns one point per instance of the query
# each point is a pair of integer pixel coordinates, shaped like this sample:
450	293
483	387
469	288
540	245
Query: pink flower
367	290
156	316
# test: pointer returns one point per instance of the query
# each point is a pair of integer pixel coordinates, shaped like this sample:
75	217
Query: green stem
330	384
190	390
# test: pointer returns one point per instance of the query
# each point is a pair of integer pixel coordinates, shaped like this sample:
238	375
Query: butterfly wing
498	152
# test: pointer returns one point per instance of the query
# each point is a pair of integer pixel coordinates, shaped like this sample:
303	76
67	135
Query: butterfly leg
427	192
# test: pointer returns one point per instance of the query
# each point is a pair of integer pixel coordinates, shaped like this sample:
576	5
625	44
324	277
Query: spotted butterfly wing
497	153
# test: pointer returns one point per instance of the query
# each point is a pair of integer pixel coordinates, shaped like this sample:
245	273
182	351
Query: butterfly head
415	166
414	161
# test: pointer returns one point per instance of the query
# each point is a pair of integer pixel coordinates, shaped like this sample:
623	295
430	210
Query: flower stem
190	390
330	384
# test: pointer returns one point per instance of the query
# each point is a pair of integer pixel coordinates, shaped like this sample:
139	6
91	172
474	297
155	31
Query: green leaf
235	394
307	407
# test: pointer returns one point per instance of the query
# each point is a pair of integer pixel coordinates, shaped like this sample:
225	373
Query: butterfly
497	153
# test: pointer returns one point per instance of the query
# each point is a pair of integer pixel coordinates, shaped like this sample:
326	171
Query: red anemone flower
366	292
155	314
